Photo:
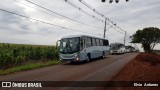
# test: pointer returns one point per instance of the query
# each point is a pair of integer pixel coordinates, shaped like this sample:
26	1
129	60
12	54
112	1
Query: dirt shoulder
145	67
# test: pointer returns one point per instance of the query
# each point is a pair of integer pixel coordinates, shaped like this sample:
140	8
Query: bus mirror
58	44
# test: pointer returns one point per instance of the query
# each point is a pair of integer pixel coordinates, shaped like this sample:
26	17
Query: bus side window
82	42
93	41
88	42
101	42
105	42
97	41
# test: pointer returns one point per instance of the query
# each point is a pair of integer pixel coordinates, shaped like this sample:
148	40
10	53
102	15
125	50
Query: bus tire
88	57
103	55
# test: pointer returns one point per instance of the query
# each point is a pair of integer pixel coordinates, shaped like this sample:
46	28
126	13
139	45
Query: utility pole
105	29
125	38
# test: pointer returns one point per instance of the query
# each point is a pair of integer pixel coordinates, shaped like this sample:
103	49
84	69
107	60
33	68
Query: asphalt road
96	70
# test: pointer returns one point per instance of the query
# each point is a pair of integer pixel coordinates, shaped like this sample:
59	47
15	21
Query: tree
148	37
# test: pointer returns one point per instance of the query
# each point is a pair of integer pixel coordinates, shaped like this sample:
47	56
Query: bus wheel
103	55
88	58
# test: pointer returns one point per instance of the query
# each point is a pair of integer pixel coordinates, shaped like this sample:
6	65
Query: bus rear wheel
88	58
103	55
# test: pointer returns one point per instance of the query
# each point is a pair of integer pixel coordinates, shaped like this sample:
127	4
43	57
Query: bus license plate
68	61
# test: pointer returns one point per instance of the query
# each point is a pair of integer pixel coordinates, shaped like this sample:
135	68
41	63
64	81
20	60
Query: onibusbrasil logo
21	84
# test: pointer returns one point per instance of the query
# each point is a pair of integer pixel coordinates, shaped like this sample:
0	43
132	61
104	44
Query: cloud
130	16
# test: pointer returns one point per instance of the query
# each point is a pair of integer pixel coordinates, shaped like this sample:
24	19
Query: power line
80	9
120	28
45	22
50	23
117	30
92	15
109	28
57	13
112	34
100	14
93	9
111	39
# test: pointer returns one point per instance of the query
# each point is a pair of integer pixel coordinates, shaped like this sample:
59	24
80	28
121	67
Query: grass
157	51
28	66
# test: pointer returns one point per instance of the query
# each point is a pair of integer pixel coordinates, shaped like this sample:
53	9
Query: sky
130	16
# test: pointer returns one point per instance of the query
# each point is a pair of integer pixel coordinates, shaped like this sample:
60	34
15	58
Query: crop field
12	55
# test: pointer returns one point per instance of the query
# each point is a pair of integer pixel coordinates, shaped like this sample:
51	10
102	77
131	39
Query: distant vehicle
128	49
82	47
133	49
117	48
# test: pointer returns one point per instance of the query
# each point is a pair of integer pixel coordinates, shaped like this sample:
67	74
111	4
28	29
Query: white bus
117	48
128	49
82	47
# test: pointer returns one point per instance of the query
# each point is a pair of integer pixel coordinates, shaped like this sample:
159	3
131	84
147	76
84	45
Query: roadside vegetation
24	57
28	66
148	37
157	51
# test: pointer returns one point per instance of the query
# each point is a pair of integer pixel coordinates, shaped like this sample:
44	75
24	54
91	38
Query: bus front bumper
72	58
115	52
69	60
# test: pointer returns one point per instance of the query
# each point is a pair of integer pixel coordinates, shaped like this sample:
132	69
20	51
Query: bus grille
68	56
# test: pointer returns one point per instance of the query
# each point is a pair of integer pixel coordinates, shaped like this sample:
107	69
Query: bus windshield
115	46
69	45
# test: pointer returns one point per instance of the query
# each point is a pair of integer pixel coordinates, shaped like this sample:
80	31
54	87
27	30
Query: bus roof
80	35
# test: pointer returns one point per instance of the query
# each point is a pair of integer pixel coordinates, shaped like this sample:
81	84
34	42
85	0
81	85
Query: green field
13	55
157	51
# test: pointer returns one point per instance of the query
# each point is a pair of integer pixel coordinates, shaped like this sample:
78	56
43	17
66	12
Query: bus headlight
77	59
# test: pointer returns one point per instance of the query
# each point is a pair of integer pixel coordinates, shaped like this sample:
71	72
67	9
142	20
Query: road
96	70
